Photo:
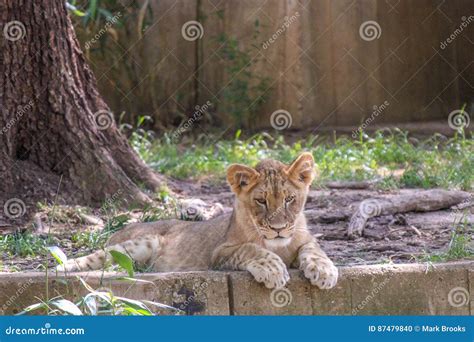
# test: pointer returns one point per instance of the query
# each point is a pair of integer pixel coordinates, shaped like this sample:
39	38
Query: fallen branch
350	184
424	200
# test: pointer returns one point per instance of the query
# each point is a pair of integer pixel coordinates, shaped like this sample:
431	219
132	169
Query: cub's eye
289	199
261	201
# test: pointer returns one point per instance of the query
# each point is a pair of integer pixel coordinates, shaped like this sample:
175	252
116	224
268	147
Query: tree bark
52	117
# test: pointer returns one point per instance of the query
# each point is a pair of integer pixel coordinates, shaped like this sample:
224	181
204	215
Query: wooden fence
327	62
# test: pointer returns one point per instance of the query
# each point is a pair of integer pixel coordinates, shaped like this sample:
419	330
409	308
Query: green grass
460	247
24	244
433	162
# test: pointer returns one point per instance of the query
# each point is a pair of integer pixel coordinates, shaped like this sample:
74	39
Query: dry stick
351	184
424	200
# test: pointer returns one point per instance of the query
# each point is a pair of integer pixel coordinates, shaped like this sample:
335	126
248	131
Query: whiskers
256	233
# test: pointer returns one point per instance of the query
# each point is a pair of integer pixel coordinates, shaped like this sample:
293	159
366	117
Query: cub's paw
272	272
322	274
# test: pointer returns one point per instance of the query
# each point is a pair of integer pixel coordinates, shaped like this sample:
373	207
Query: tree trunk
52	118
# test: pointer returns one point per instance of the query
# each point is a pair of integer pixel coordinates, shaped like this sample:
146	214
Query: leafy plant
97	302
392	156
94	12
460	245
124	261
24	244
245	91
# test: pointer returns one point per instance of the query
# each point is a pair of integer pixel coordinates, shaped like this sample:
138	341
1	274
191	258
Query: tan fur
265	234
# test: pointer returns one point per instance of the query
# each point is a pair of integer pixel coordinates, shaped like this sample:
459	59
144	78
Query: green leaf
135	280
72	7
105	296
67	307
124	261
136	312
134	304
79	13
91	304
87	286
58	254
33	307
162	306
107	14
92	8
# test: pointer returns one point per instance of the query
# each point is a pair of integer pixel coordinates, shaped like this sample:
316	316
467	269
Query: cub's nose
278	226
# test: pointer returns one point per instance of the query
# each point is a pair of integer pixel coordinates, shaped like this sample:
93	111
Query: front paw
322	274
272	272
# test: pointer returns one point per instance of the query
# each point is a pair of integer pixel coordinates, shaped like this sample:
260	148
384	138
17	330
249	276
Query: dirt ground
393	238
397	238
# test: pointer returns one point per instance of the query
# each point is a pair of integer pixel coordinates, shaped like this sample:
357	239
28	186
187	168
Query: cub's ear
241	177
301	169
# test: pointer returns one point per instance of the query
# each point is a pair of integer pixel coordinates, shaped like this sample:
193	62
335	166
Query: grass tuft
392	156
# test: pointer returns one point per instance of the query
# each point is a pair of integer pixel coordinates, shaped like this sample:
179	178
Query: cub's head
273	194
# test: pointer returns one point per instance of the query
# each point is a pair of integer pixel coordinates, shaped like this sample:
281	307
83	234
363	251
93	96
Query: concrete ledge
415	289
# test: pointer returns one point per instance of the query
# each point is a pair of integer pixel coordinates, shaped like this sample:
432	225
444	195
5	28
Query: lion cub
265	234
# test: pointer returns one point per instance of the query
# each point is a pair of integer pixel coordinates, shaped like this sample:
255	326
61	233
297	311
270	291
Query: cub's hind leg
143	251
